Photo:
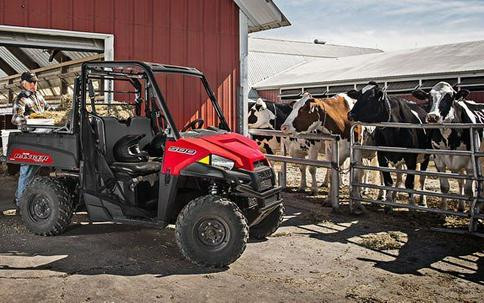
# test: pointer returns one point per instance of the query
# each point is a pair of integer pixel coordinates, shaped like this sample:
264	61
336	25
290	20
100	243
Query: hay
62	113
383	241
315	217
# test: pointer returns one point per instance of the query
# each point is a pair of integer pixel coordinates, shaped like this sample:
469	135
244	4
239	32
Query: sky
384	24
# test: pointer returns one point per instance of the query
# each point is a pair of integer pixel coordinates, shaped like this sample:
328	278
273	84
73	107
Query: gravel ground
316	256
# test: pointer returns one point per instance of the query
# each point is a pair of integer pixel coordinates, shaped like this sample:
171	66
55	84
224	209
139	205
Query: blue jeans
27	173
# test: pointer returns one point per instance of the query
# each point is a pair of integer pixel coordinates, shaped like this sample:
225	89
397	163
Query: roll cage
132	71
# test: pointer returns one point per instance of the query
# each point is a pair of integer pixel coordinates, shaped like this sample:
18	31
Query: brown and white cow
328	115
270	116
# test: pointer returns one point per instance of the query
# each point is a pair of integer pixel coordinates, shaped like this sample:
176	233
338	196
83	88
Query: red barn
210	35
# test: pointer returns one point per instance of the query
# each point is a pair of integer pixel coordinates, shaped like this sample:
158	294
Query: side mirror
420	94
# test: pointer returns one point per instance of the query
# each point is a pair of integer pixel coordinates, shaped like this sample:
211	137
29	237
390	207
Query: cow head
260	116
371	105
303	117
441	100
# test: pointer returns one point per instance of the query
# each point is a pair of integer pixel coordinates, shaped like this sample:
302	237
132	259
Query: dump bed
45	149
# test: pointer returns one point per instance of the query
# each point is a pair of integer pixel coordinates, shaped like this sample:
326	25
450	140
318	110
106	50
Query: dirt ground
316	256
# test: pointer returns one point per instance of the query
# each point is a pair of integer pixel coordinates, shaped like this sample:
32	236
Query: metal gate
332	164
474	154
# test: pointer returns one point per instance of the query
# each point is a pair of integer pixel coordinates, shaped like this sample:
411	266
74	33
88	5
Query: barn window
431	82
320	91
361	85
472	81
402	86
340	88
291	93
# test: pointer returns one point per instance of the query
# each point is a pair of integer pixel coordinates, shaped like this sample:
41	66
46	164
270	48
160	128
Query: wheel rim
39	208
213	233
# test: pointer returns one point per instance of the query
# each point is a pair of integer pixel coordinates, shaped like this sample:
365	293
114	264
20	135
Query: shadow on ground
92	249
458	255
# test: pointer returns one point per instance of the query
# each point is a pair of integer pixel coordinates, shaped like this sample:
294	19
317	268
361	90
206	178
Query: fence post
475	147
283	174
334	190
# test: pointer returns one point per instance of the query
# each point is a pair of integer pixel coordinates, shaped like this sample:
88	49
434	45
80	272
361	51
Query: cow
373	105
269	115
447	105
330	116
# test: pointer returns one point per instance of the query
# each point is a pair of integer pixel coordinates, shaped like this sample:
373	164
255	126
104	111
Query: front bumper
268	199
259	186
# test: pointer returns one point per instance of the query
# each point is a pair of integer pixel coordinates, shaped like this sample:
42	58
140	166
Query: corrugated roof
262	14
440	59
12	60
39	55
308	49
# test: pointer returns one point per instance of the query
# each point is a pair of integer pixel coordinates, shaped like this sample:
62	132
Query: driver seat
130	161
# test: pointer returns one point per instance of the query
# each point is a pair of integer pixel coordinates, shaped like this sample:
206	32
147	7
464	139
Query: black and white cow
269	115
448	106
374	106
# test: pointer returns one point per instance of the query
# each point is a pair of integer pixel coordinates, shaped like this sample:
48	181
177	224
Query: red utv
215	185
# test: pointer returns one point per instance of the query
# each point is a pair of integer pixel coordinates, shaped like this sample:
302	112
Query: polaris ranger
213	184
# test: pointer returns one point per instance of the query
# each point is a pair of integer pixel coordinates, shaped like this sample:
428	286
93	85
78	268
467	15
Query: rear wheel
269	225
46	206
211	231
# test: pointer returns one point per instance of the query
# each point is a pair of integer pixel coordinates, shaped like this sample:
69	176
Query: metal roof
308	49
262	14
262	65
269	57
433	60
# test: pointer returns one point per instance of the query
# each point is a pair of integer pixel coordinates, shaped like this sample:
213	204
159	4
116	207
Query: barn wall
272	95
201	34
477	96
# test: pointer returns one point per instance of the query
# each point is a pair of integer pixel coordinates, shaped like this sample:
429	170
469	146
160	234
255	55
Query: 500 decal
182	150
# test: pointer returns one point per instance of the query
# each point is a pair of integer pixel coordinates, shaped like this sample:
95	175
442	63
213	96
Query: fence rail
476	177
332	164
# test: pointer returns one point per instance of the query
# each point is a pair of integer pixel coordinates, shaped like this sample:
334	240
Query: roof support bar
7	68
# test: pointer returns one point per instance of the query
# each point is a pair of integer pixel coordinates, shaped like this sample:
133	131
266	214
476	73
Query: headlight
218	161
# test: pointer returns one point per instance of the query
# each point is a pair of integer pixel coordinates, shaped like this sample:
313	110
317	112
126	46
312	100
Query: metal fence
332	164
474	154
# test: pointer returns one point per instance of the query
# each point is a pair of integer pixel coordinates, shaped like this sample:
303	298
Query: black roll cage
96	70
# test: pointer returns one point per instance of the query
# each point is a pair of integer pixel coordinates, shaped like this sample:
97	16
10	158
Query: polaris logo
182	150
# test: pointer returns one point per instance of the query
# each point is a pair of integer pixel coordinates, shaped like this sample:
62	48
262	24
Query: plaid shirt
25	104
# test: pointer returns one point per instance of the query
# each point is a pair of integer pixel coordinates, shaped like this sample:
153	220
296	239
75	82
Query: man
28	101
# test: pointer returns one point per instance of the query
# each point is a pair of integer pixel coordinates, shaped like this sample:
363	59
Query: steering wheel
195	124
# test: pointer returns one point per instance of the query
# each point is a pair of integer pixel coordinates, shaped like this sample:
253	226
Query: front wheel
46	206
211	231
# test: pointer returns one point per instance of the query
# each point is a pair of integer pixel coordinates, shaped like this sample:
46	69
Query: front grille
260	163
264	178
